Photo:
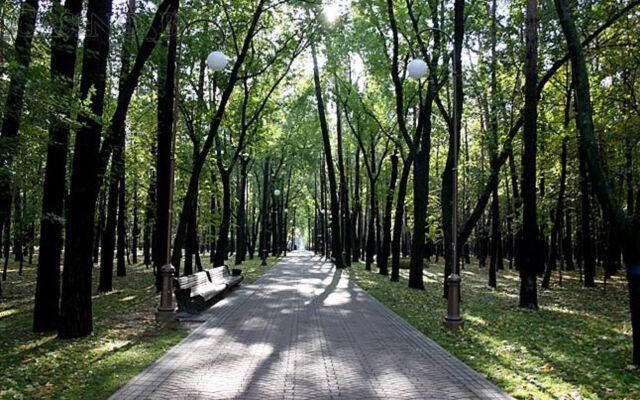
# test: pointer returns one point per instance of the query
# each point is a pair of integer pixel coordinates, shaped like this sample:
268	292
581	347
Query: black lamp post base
453	323
166	315
453	320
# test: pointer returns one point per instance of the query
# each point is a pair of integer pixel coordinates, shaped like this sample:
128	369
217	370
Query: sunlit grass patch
577	346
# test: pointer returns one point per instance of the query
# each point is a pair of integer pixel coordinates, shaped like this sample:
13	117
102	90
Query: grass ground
577	346
125	340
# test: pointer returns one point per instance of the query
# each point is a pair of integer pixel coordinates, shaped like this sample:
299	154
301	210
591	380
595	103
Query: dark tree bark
121	266
225	223
344	192
386	225
556	231
13	105
626	227
373	210
109	238
588	260
419	145
90	160
629	177
149	219
241	213
529	267
324	211
18	235
99	227
135	229
421	188
118	162
76	317
567	242
63	59
263	211
336	242
357	211
399	218
253	229
213	205
496	236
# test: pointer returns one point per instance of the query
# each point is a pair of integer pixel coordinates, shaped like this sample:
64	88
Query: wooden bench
194	292
222	275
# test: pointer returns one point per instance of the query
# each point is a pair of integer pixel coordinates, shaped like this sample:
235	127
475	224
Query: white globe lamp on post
217	61
417	69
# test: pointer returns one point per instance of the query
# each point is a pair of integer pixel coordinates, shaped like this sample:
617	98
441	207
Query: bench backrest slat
190	281
216	274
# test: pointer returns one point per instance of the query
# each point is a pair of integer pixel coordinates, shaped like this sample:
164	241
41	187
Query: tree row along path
305	331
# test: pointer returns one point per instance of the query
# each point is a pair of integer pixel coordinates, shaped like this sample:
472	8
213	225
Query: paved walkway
303	331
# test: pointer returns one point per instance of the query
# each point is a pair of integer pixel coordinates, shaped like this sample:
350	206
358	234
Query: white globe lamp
217	61
276	192
417	69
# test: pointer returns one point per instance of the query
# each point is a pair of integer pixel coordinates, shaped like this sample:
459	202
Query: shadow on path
305	331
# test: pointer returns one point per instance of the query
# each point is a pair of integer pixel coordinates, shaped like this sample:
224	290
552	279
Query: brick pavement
304	331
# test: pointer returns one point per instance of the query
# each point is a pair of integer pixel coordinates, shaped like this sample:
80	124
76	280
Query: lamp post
323	234
166	312
293	230
276	222
417	69
283	235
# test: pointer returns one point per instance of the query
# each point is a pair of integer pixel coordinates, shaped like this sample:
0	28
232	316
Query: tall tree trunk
121	268
421	189
558	216
627	227
263	210
99	226
63	60
529	267
386	229
399	216
496	236
629	180
135	234
344	192
325	217
225	224
13	105
241	214
373	211
586	240
336	242
90	159
357	211
109	237
76	317
149	218
118	162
